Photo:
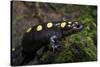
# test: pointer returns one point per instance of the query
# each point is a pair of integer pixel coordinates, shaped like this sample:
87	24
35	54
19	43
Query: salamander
44	34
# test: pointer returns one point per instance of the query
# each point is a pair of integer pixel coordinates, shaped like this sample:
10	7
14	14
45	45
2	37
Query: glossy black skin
32	41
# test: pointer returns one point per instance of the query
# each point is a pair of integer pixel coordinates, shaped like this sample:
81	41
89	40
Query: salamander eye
49	25
63	24
39	28
29	29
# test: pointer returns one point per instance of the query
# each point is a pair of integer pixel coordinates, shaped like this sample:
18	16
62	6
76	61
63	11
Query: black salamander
46	34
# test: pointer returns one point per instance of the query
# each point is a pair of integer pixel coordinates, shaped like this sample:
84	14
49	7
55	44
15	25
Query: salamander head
71	27
76	26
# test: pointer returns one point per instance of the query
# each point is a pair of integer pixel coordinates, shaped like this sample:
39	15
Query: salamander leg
55	43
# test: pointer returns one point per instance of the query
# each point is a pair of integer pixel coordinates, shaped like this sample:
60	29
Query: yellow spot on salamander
63	24
49	25
39	28
69	22
29	29
13	49
76	22
69	25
